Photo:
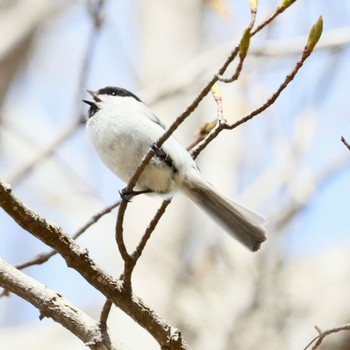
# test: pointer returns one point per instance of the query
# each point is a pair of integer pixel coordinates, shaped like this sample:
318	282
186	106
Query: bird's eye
114	93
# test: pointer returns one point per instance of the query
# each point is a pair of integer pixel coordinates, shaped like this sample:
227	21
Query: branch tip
286	3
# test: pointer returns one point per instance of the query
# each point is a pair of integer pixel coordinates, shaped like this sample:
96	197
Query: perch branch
53	305
79	259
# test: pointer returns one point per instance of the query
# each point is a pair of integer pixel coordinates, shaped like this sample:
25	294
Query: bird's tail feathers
242	223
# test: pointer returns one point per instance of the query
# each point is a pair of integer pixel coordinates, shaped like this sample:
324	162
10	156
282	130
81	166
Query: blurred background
287	163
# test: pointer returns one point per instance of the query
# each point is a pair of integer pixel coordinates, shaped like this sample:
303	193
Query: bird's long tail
242	223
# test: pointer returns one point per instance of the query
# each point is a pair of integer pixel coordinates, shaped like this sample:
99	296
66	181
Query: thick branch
43	257
79	259
53	305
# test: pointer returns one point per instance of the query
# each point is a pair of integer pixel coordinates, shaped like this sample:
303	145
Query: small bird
122	129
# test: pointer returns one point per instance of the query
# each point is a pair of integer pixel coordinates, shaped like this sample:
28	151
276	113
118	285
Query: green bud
244	44
315	34
286	3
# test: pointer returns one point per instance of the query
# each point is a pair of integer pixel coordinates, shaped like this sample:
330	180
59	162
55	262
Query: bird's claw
126	195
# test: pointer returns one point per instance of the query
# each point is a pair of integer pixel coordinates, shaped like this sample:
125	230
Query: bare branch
119	233
79	259
43	257
269	102
323	334
243	48
46	152
53	305
342	139
275	95
279	9
104	316
131	263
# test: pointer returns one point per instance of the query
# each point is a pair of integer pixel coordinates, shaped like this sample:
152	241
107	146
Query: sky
47	90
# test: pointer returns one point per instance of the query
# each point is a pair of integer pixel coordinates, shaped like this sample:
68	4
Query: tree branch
279	9
323	334
130	264
342	139
79	259
221	125
53	305
43	257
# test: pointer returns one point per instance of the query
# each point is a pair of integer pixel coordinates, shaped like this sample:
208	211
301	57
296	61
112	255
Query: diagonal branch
79	259
134	257
279	9
323	334
53	305
347	145
43	257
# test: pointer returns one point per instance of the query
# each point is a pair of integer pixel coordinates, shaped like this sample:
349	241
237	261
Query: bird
122	129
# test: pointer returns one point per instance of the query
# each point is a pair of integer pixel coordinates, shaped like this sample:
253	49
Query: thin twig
104	315
119	232
319	339
275	95
243	53
199	147
153	224
269	102
45	153
269	19
235	76
43	257
342	139
95	218
130	264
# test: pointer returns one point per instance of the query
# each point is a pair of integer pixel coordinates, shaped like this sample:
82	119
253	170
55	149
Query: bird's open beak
90	103
94	96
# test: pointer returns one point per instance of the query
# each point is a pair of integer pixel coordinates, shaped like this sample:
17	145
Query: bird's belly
123	159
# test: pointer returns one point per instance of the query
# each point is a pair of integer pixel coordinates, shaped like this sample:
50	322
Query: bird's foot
128	195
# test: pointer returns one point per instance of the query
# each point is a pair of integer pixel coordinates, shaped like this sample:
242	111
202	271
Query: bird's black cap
116	91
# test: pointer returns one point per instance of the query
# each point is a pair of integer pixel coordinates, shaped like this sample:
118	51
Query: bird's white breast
123	135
